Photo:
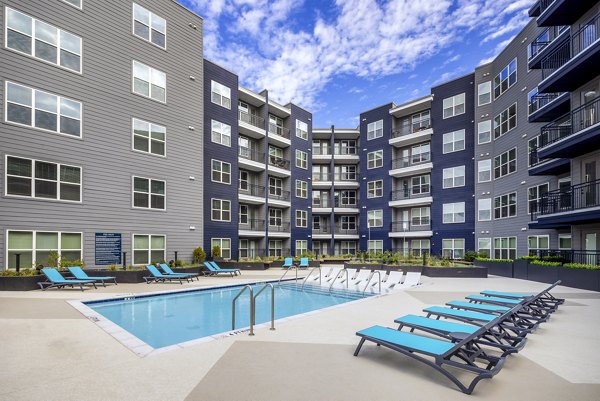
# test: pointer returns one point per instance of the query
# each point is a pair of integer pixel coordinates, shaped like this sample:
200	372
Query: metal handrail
286	272
272	304
306	278
338	276
371	277
247	286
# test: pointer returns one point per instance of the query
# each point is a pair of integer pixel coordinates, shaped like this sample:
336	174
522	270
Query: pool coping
143	349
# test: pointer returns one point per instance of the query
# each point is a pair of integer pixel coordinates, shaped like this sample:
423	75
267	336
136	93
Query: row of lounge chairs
365	279
289	262
81	278
474	336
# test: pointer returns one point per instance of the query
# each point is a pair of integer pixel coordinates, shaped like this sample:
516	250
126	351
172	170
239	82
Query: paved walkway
49	351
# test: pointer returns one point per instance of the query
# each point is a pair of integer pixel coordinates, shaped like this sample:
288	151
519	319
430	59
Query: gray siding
105	150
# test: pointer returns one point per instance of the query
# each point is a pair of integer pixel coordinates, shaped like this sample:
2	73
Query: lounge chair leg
360	344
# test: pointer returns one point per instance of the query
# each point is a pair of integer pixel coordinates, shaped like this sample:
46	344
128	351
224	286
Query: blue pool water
167	319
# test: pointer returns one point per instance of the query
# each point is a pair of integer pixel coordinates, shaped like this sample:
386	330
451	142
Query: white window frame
277	246
375	218
149	193
302	130
276	218
375	189
484	89
151	17
502	206
151	127
485	244
375	130
302	157
452	212
502	161
534	201
150	249
33	180
301	189
223	92
225	250
301	246
499	80
301	218
243	214
221	210
375	245
457	244
153	74
484	170
452	177
484	209
222	130
34	248
484	127
220	172
503	249
504	117
453	138
453	103
375	159
565	236
537	239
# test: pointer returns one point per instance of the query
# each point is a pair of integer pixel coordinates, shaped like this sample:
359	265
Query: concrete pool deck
50	351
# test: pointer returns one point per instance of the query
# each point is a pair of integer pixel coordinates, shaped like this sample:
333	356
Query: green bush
581	266
64	263
113	268
471	256
22	272
199	255
216	251
445	262
494	260
53	258
545	263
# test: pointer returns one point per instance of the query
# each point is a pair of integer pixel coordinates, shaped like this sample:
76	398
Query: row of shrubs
552	261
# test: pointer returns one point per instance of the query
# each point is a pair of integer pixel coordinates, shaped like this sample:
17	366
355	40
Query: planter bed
542	274
579	278
20	283
520	268
463	272
504	269
123	276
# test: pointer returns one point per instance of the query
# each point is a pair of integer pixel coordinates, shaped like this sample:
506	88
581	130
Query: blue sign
108	249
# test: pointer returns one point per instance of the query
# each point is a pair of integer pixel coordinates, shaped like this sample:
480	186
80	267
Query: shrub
199	255
445	262
64	263
471	256
113	268
581	266
494	260
22	272
216	251
544	263
52	260
178	263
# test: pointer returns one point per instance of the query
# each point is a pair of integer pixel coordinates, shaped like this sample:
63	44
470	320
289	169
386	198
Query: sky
337	58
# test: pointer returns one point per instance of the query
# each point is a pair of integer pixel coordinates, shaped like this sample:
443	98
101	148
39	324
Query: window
276	158
505	248
454	177
505	121
532	147
276	126
484	170
42	180
301	218
505	206
149	138
484	132
420	153
532	104
345	147
484	93
275	186
275	247
453	248
453	212
505	164
454	141
346	198
301	159
301	189
375	159
348	247
149	26
420	184
484	247
275	217
320	147
148	193
35	247
454	106
347	223
375	189
420	247
42	110
243	214
224	244
375	218
420	216
320	173
506	78
76	3
302	130
220	133
375	246
220	94
484	209
537	242
564	241
221	172
244	248
301	247
244	180
220	210
149	82
421	121
148	249
375	130
43	41
534	195
345	173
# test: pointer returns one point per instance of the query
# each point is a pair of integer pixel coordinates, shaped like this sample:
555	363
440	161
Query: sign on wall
108	249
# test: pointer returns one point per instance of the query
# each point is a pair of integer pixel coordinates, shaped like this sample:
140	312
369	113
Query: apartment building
100	134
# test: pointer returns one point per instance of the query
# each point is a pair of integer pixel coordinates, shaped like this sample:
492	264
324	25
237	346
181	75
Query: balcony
573	134
346	230
321	207
249	159
408	135
252	228
559	12
585	257
411	197
279	135
283	252
545	43
320	233
321	155
348	179
252	194
539	166
281	229
411	165
322	180
251	125
577	205
545	107
574	62
279	167
347	154
408	229
279	194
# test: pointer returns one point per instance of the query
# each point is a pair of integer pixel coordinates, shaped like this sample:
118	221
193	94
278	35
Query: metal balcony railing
280	162
322	230
280	226
252	119
555	131
345	176
279	130
585	36
424	224
569	255
534	159
279	194
338	203
279	251
321	177
407	130
536	47
556	59
346	230
411	193
252	225
319	151
251	189
540	100
577	197
323	203
350	150
411	160
245	253
577	120
543	40
251	154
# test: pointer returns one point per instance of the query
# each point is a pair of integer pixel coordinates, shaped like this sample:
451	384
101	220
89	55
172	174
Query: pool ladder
306	278
253	306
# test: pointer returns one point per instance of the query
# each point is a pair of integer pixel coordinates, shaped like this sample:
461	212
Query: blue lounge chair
543	300
287	263
78	273
157	276
212	270
493	309
55	279
165	267
303	263
460	315
234	271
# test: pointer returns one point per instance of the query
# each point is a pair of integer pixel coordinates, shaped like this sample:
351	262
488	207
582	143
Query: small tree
216	251
53	259
199	255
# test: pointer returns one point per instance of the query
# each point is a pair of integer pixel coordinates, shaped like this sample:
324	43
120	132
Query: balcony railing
245	253
544	4
555	131
253	225
407	130
319	151
279	194
410	161
537	46
251	154
543	40
410	193
251	189
350	150
346	230
280	162
321	230
585	36
338	203
556	59
410	226
279	130
279	226
569	255
252	119
279	252
577	197
539	100
321	177
534	159
321	204
345	176
577	120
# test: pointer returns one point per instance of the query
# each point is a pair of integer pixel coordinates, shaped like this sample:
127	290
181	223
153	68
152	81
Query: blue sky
337	58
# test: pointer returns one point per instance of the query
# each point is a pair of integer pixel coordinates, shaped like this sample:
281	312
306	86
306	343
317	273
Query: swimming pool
161	320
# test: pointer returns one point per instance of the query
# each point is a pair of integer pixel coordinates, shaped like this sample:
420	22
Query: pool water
166	319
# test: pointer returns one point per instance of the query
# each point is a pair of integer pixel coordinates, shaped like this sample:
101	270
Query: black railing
544	4
580	196
349	150
251	189
585	36
324	203
556	59
410	160
322	230
338	203
407	130
252	225
319	151
534	159
279	194
279	252
246	253
577	120
251	154
586	115
536	47
280	162
252	119
540	100
346	230
410	193
568	256
414	252
321	177
408	226
555	131
279	226
279	130
349	176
